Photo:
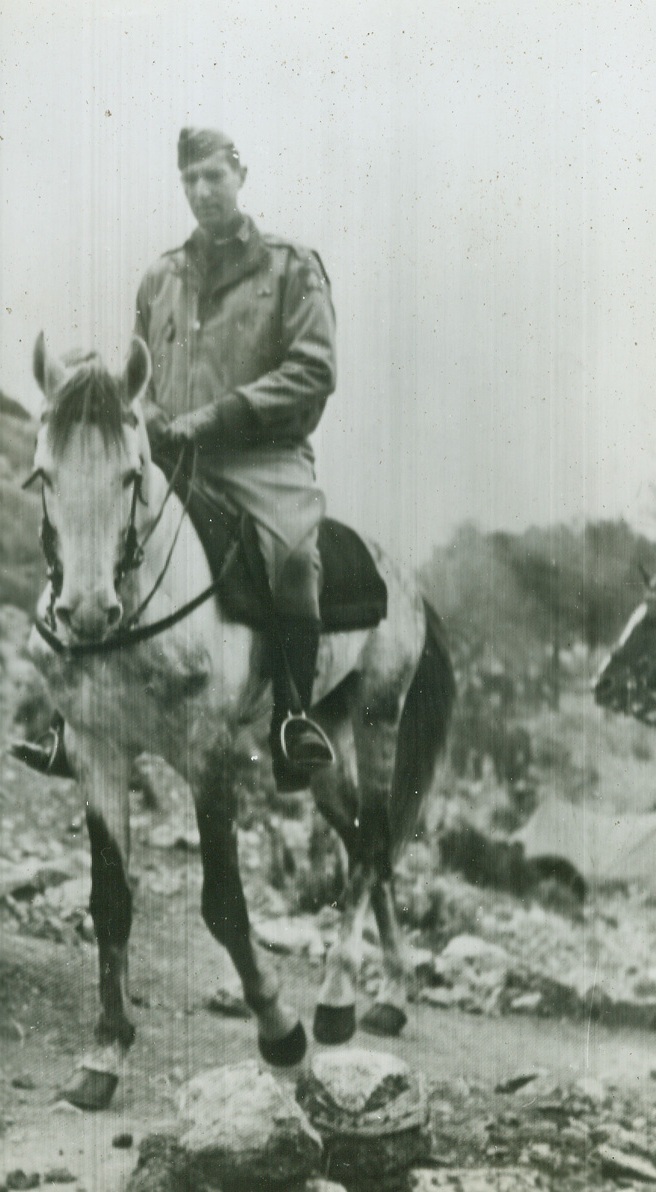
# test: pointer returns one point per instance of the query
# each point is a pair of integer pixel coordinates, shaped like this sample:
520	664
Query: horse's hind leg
387	1016
281	1036
105	788
375	716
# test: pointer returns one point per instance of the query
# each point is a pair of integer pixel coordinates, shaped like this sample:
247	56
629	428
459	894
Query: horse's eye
131	478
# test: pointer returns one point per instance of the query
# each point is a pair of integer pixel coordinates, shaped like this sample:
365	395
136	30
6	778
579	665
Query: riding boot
47	754
298	745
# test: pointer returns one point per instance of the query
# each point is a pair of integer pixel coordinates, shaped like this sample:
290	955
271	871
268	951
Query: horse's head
91	456
626	681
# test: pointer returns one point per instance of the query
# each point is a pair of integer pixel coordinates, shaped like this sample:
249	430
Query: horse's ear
49	371
137	370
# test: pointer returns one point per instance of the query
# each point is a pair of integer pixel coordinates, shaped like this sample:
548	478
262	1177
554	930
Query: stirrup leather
294	724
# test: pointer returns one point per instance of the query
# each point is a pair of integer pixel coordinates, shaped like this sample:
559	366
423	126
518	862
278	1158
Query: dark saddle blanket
353	596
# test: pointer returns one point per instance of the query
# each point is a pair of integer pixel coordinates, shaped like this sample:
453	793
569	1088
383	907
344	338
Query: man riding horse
241	330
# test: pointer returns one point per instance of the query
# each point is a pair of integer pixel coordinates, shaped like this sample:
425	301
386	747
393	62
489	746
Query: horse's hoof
284	1053
334	1024
90	1089
383	1019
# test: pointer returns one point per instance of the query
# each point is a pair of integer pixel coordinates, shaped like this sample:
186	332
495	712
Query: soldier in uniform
241	330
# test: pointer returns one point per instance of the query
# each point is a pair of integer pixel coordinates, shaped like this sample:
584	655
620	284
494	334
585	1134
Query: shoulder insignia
311	266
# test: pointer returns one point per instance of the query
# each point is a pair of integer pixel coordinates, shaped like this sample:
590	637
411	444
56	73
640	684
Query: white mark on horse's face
88	493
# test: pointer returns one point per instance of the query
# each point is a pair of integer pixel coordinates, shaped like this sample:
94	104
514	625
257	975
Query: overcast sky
479	179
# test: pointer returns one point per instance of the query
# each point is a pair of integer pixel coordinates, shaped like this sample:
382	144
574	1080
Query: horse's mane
90	395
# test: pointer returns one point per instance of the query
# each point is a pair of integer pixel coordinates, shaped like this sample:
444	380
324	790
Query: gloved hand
226	423
178	433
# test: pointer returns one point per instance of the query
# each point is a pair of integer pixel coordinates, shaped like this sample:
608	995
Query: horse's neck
187	571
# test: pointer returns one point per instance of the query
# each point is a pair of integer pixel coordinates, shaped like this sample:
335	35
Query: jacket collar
223	264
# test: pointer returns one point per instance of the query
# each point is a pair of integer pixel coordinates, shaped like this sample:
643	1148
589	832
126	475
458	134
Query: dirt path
49	990
175	966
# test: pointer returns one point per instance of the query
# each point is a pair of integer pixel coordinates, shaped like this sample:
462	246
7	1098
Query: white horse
114	542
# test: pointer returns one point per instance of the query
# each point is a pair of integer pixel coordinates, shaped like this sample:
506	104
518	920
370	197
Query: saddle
353	596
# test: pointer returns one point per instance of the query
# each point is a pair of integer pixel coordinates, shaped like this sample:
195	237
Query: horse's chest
142	701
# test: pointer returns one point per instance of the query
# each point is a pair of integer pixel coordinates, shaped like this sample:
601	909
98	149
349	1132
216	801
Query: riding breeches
277	487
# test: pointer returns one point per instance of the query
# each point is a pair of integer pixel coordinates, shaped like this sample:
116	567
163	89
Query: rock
321	1186
23	1081
590	1089
71	898
265	902
59	1175
372	1114
18	1180
474	950
180	835
473	1179
243	1128
160	1167
421	962
526	1003
23	881
442	996
621	1164
228	999
294	936
511	1084
122	1141
165	885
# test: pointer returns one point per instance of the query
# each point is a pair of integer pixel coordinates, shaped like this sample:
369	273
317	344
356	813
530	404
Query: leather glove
227	422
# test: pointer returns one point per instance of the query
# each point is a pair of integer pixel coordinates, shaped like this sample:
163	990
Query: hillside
525	592
21	563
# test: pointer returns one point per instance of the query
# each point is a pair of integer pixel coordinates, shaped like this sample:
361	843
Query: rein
132	637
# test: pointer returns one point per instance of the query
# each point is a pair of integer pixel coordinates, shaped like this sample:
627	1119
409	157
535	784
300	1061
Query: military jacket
251	317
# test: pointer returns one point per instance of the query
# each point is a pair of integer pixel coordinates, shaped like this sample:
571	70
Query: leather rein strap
132	637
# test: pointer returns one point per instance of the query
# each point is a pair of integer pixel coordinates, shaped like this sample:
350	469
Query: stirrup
47	755
321	754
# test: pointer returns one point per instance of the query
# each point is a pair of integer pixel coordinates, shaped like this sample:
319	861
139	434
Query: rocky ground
531	1018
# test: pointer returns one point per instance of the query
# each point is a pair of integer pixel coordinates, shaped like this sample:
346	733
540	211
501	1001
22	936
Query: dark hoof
384	1020
284	1053
334	1024
90	1089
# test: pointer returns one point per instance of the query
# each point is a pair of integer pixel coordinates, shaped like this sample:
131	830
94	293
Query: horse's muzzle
89	620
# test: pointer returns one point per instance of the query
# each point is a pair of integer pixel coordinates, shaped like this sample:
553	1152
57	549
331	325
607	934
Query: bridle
131	559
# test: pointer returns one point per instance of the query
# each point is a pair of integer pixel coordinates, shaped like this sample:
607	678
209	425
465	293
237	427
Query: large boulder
238	1130
372	1114
244	1130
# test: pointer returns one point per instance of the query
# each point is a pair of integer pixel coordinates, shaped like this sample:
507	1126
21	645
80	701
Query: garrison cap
195	144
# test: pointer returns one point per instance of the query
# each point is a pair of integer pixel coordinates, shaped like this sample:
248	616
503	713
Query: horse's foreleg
106	790
280	1032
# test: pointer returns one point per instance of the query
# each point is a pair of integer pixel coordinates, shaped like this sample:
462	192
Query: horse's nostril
64	615
114	615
